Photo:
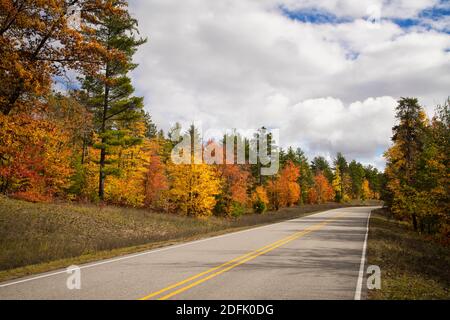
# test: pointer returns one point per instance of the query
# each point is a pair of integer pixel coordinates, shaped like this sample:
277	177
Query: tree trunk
83	151
414	219
101	180
102	175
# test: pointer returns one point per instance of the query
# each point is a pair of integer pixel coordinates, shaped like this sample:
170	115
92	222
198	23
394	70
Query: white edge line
46	275
363	259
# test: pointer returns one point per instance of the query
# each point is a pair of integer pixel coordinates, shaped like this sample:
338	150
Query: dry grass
412	267
40	237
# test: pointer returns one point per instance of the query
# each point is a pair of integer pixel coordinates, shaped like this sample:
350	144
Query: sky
326	73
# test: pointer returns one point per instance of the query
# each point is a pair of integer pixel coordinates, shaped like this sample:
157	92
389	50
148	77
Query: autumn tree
193	188
432	176
35	158
260	200
126	185
375	179
75	121
74	118
155	180
440	134
403	156
366	193
233	197
313	198
306	178
284	190
37	43
321	165
417	170
322	190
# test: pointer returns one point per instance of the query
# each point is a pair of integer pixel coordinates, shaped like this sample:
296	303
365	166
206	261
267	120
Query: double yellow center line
166	293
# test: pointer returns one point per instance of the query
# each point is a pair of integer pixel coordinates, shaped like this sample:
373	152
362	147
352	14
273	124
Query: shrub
237	209
260	200
259	206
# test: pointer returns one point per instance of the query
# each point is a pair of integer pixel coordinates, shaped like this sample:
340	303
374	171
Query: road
320	256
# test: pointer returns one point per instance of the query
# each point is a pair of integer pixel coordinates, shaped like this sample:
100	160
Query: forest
95	142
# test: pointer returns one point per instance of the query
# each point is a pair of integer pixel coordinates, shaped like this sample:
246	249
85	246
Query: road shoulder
412	265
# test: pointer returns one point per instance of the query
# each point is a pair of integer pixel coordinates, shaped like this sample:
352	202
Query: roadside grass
412	266
40	237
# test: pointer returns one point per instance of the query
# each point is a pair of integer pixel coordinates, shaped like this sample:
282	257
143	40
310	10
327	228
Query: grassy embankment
41	237
412	265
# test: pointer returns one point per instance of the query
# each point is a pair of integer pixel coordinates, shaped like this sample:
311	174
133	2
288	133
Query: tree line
417	175
95	142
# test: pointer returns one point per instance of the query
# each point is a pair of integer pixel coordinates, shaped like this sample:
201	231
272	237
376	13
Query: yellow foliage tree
366	193
193	188
260	199
126	186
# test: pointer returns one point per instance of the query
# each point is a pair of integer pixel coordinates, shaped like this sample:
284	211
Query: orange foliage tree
322	190
312	196
38	42
34	158
233	197
155	181
284	191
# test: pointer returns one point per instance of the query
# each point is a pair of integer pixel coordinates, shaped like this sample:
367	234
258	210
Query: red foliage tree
284	191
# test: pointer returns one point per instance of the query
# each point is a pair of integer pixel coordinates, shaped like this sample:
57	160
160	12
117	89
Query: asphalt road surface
320	256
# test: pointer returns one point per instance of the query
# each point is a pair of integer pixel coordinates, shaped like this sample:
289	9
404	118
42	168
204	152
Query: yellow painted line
300	234
211	270
235	262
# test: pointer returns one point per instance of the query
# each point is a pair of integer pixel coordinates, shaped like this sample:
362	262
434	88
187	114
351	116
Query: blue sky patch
314	16
320	16
436	12
62	83
406	23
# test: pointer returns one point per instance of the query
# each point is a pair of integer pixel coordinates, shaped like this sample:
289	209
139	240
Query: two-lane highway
320	256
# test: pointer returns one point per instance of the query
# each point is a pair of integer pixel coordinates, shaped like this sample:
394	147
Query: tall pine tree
403	157
109	93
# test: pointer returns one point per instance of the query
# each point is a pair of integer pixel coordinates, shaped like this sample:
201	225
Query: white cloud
243	64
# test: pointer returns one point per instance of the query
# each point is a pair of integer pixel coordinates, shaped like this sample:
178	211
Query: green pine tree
109	94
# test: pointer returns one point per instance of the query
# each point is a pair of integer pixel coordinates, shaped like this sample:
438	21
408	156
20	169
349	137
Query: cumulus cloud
328	86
